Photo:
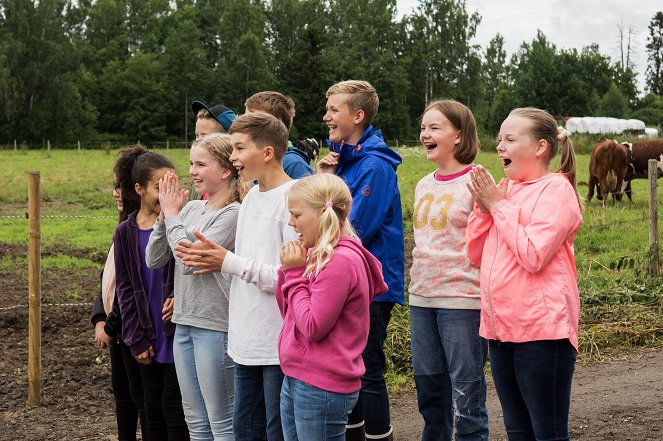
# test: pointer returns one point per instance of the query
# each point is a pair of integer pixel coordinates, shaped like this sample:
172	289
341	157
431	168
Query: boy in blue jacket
358	154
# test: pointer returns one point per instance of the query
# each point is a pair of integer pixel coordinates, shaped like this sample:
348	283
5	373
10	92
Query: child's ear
226	174
459	137
359	117
268	153
541	147
139	189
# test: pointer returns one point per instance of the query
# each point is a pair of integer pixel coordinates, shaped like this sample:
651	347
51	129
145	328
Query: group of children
281	281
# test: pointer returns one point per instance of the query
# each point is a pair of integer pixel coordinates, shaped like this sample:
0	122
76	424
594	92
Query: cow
640	152
309	146
608	167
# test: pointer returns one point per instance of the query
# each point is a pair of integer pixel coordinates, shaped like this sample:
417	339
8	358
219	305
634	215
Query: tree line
123	70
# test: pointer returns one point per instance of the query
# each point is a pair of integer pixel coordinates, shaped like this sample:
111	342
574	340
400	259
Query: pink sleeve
478	226
555	216
316	306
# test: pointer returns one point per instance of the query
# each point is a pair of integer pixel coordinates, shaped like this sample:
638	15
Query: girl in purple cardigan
142	295
326	283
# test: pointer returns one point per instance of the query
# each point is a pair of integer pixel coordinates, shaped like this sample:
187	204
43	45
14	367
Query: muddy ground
617	400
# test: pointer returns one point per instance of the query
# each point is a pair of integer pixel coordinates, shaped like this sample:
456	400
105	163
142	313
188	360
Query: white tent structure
602	125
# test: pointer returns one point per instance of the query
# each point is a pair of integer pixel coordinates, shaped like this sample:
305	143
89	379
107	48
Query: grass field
622	306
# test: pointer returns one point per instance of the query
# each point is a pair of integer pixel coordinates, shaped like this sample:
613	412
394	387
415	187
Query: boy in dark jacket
358	154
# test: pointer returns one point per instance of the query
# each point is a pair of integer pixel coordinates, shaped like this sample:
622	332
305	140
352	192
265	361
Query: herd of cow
613	165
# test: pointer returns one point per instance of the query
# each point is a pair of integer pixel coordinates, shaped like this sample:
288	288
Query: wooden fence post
34	290
79	145
15	146
653	216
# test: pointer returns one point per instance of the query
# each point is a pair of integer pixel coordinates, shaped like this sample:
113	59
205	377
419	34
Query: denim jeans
205	373
533	382
257	414
163	403
309	413
373	403
448	357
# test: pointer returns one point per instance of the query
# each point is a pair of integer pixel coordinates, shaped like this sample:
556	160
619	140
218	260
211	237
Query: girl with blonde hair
326	283
204	370
521	232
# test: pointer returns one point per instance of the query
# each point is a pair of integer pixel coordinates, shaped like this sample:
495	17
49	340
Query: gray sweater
200	300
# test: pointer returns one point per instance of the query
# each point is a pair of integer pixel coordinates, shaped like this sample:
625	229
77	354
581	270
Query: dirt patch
620	400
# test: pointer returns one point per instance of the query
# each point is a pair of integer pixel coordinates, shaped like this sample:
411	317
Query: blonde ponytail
329	194
544	126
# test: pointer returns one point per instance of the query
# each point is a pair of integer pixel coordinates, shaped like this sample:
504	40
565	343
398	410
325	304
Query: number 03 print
422	212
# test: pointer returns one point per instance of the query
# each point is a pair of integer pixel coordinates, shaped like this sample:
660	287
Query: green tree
655	54
613	103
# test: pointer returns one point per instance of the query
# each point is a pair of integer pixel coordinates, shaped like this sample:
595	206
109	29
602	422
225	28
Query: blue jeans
373	403
448	356
205	374
533	382
309	413
257	414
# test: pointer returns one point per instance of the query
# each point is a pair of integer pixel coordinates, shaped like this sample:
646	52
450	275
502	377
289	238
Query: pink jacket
326	318
524	246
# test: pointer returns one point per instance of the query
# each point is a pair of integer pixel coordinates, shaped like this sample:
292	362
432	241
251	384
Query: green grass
622	306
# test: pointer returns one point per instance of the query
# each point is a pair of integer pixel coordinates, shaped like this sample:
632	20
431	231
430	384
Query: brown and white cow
608	167
640	152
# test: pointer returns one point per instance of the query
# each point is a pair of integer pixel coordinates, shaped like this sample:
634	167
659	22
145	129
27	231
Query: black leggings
163	403
128	391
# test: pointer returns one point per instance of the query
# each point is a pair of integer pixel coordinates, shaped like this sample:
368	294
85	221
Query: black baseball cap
221	113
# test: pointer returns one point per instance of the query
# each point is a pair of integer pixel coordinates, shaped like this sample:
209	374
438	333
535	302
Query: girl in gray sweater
200	310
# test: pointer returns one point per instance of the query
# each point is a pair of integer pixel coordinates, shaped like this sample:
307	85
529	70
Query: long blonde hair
219	146
544	126
329	194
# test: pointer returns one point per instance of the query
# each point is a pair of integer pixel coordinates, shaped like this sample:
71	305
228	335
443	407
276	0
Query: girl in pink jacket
521	233
326	283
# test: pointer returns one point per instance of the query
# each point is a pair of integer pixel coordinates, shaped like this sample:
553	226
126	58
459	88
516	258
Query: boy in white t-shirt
259	142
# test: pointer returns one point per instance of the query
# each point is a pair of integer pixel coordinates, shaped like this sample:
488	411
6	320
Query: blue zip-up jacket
295	163
369	169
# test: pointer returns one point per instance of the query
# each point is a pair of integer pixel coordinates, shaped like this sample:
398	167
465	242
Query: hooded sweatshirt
295	163
529	284
326	318
369	169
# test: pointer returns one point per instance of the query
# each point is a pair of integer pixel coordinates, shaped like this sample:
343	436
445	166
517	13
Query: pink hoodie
529	284
326	318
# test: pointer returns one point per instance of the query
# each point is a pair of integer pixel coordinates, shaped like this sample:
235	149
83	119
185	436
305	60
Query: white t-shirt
254	318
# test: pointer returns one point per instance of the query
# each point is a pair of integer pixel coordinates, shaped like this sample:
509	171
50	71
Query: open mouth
430	147
239	168
506	162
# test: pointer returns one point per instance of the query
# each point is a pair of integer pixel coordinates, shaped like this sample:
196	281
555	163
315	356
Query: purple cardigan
137	326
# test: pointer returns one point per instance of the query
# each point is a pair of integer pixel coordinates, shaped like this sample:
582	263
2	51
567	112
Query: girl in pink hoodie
521	232
326	283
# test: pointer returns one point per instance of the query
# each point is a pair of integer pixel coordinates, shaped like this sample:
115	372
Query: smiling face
439	137
149	195
247	158
343	124
208	175
117	194
522	156
304	219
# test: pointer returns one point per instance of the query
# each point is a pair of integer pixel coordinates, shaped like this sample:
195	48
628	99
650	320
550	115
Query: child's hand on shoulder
293	254
328	164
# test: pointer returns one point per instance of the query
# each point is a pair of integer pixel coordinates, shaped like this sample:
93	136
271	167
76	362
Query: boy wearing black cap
212	120
216	119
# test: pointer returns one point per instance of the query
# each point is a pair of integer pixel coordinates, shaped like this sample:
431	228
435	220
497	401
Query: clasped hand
293	254
205	254
484	190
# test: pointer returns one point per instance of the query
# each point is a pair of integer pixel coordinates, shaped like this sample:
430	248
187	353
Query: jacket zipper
490	291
